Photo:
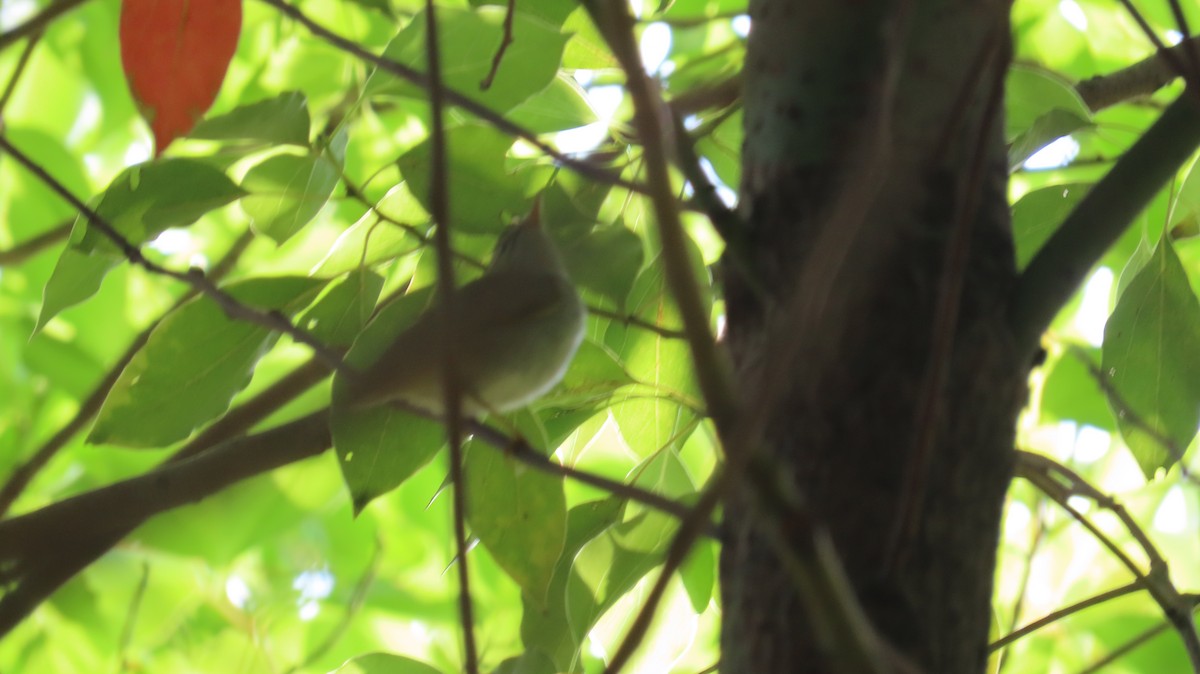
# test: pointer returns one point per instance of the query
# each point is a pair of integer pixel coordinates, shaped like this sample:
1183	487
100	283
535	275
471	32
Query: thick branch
1098	221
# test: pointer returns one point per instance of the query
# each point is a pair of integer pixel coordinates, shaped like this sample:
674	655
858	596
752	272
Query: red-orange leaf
175	53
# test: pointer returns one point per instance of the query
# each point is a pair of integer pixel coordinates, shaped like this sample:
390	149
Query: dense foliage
305	194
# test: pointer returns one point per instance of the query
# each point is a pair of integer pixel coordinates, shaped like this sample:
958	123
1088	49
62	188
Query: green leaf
379	448
1046	129
1073	392
76	277
371	239
482	189
1150	358
561	105
340	313
544	628
722	147
1039	213
662	414
699	574
469	42
385	663
279	120
606	261
1031	93
519	515
195	361
140	203
287	191
149	198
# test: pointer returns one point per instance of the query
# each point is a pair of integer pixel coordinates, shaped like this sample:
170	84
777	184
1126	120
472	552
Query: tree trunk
874	198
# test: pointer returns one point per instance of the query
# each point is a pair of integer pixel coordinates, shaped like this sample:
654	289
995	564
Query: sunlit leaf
287	191
1150	359
341	312
386	663
195	361
141	202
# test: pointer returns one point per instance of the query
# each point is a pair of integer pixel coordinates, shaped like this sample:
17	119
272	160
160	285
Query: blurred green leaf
1039	213
1072	391
519	515
380	447
482	188
341	312
385	663
282	120
1150	359
287	191
196	359
561	105
469	41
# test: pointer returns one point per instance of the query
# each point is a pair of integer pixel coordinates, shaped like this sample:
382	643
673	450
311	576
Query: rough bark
872	139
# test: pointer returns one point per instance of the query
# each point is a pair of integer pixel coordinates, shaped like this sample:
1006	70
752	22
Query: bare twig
1055	616
39	22
452	392
1059	483
22	62
272	320
32	246
504	42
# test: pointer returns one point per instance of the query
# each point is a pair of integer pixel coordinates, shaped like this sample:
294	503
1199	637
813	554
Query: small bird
519	325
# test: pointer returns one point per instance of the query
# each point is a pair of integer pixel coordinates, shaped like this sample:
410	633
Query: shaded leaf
519	515
1039	214
280	120
385	663
469	40
379	448
141	202
482	189
195	361
1150	358
341	312
175	53
287	191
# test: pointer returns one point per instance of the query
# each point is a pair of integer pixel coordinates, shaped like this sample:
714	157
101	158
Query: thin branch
32	246
504	43
713	372
19	70
1129	646
454	98
1066	611
39	22
135	606
1060	266
1174	60
1140	79
235	310
1059	483
452	392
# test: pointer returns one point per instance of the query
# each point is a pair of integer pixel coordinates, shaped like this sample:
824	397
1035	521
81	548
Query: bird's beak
534	219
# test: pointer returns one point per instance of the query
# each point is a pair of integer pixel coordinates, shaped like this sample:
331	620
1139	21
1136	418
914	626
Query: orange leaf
175	53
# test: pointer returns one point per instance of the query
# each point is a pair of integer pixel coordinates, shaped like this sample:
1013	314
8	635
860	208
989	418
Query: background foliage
313	168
